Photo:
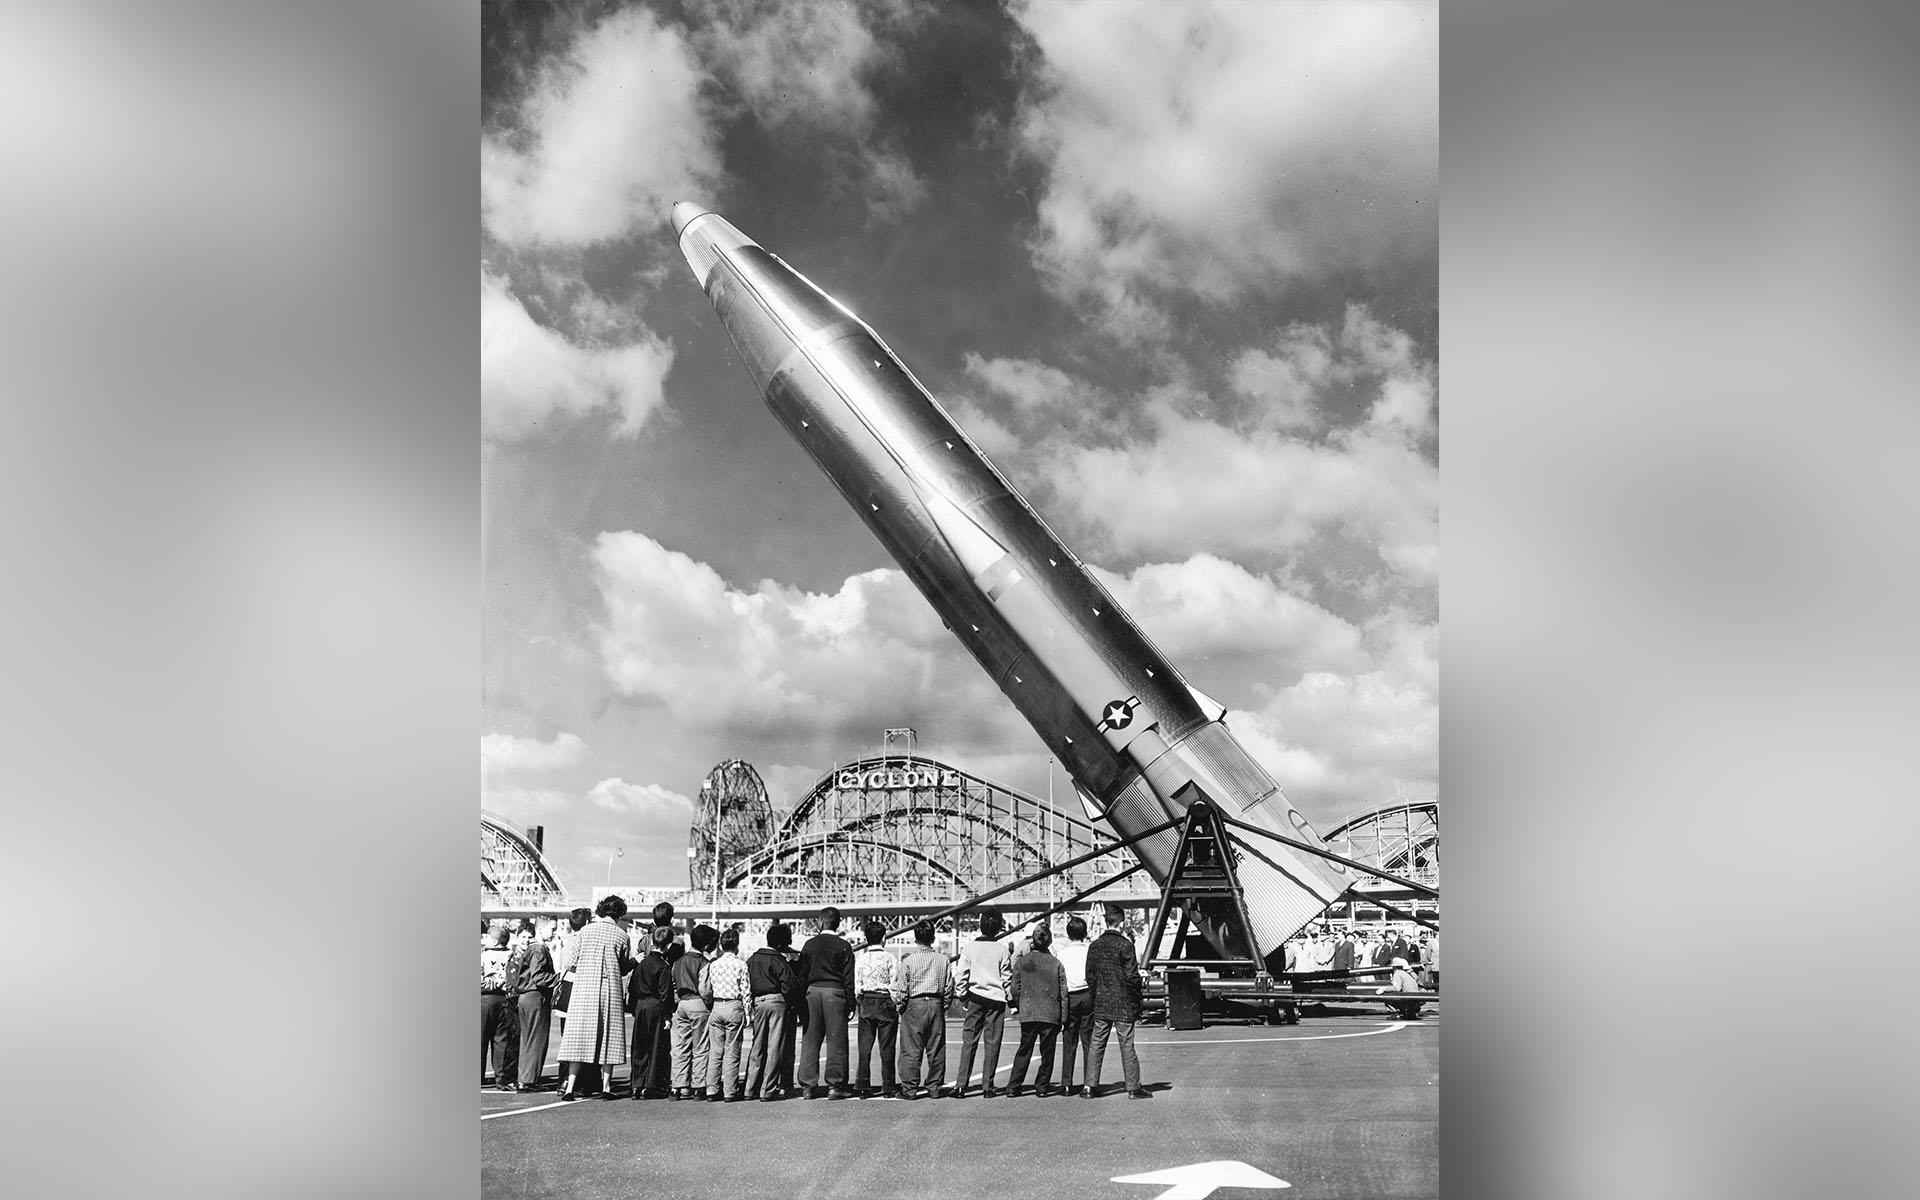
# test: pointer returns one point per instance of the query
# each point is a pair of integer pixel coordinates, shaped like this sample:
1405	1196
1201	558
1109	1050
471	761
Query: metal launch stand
1202	871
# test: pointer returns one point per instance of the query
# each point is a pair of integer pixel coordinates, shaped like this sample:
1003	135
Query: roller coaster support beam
1037	876
1390	910
1389	876
1077	897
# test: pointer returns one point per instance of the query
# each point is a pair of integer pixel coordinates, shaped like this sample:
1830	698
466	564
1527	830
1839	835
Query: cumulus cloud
1338	709
529	372
505	752
1341	742
611	133
639	799
1237	635
992	436
778	659
524	805
1042	397
1207	147
792	61
1323	441
800	66
1261	497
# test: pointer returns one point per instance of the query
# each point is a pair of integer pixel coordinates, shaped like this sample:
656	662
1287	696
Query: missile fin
1208	705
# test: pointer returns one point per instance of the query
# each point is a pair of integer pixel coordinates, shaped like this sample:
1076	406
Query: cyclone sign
893	779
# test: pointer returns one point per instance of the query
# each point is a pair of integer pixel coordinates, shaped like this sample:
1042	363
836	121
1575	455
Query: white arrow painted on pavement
1196	1181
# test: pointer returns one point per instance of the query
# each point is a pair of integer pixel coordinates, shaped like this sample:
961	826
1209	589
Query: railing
531	900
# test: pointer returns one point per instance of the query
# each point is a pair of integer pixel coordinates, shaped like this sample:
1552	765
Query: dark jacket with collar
1113	973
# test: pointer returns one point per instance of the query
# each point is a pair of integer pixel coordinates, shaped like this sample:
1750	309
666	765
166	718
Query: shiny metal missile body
1129	730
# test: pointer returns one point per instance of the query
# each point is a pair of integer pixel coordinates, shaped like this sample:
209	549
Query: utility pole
716	857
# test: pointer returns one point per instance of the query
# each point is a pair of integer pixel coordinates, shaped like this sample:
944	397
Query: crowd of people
692	1019
1357	948
699	1022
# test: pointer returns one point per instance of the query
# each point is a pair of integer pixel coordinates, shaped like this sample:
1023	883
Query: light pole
618	852
1053	893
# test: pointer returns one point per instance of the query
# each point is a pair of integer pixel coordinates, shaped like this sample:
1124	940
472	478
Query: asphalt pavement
1345	1104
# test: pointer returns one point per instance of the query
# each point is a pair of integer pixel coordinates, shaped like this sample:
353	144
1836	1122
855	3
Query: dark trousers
923	1032
535	1018
496	1034
652	1053
983	1025
1129	1061
826	1022
788	1046
1078	1034
878	1022
1043	1032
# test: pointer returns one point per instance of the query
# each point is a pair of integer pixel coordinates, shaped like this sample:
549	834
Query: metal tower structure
902	827
732	820
1402	837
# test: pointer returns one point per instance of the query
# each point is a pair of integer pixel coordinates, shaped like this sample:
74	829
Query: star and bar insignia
1118	714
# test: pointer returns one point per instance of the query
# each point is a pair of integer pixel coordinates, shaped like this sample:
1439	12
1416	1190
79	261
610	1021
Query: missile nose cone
683	214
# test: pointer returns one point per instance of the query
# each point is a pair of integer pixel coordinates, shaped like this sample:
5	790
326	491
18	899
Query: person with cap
1113	975
1403	981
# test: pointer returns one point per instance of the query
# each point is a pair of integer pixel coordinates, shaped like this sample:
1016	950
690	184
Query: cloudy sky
1173	266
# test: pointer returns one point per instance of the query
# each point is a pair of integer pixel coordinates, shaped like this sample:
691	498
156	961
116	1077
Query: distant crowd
700	1022
1358	948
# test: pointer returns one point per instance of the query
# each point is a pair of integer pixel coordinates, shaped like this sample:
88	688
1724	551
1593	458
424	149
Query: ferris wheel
732	818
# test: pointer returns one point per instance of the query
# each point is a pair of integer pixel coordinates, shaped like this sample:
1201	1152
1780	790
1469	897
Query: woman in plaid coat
596	1012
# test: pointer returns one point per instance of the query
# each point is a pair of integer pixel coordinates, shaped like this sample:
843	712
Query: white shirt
1072	956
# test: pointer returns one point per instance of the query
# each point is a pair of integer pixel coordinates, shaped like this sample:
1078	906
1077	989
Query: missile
1139	743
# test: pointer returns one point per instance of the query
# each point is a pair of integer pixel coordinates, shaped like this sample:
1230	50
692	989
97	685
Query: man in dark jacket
650	998
1343	953
1113	976
826	966
531	979
1039	995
